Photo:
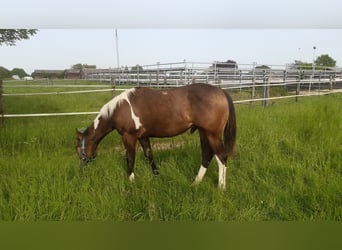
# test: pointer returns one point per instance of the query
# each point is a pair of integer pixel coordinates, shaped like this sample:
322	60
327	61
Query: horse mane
108	109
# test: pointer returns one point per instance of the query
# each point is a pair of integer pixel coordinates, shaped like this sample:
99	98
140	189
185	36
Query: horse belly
166	126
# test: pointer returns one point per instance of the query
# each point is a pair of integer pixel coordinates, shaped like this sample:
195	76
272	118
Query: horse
140	113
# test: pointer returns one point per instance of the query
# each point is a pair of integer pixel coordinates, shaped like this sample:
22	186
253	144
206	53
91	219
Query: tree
325	61
11	36
77	66
137	68
83	66
4	73
19	72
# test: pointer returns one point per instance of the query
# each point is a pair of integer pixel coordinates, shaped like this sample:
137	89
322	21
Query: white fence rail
235	102
50	114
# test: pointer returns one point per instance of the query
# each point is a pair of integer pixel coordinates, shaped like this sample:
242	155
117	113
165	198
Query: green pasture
287	166
44	86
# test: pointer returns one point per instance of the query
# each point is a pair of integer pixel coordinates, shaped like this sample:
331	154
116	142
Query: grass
287	167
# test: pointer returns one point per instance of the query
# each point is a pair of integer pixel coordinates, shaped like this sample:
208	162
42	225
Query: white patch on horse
200	175
222	174
131	177
108	109
135	118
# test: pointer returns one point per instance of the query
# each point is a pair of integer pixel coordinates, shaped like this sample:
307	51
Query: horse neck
100	132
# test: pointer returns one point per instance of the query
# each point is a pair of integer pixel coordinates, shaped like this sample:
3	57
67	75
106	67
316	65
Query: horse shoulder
122	120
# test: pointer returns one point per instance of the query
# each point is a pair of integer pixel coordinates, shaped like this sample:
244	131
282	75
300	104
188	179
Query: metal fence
224	74
253	79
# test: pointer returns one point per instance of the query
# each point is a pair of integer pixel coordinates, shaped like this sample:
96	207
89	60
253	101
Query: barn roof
47	71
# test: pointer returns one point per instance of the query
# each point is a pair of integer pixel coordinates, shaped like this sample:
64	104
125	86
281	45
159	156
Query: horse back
172	111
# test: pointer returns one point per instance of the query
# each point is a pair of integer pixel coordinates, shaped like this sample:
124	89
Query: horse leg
207	155
221	158
146	145
130	144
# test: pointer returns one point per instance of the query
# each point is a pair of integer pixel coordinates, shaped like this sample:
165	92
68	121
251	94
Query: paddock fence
182	73
248	83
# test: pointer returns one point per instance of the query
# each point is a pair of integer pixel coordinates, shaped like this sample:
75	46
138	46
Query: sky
264	31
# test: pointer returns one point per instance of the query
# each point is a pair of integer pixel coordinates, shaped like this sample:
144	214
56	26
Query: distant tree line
322	61
6	74
325	60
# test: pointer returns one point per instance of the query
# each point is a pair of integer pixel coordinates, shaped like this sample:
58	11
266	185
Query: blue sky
264	31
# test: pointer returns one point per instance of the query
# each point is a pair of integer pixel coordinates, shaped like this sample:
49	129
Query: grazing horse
140	113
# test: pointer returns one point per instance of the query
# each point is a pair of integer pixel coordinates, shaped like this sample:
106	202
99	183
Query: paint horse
140	113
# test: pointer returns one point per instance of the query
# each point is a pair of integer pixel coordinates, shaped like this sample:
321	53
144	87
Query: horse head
85	147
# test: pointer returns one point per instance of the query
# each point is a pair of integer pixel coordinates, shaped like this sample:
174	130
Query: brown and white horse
140	113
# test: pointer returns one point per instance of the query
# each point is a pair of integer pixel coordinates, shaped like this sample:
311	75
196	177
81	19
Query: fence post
215	73
138	81
298	85
240	79
165	78
113	83
266	92
253	91
330	82
1	104
158	76
285	78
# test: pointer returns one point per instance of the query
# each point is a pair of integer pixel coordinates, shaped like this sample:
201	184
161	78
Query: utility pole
313	68
117	48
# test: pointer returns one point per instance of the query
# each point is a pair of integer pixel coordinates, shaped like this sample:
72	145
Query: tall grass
287	167
294	153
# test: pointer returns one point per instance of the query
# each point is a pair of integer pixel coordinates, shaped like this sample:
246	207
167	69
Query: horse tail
230	128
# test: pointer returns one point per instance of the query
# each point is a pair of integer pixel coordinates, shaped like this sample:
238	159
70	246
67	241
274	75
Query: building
51	74
72	74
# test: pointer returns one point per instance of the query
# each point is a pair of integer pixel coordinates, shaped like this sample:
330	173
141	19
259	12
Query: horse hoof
131	177
156	172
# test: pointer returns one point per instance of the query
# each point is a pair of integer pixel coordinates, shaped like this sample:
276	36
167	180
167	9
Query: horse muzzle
85	161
